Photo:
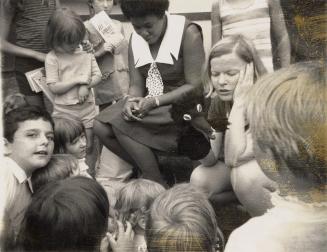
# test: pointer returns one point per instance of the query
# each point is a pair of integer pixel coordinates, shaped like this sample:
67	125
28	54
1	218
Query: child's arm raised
216	32
280	32
53	80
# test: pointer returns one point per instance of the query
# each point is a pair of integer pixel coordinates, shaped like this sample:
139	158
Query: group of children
273	135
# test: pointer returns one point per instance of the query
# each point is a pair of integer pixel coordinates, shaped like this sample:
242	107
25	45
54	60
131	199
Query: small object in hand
187	117
199	108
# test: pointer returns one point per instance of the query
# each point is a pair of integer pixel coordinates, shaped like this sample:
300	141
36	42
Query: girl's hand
124	240
108	47
83	93
245	83
130	110
87	46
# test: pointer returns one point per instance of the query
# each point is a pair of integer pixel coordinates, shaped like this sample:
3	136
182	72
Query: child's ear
141	221
7	147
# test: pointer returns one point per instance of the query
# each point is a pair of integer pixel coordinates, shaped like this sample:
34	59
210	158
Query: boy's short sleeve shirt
16	197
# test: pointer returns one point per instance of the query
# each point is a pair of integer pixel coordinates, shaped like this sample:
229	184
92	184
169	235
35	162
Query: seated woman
232	68
165	58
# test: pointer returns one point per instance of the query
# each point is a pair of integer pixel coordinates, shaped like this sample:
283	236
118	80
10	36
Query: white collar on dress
170	45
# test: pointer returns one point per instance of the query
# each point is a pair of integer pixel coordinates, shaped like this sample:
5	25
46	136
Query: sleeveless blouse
253	22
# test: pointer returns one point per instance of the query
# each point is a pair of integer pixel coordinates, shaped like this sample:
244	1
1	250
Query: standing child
71	72
111	57
28	133
252	19
69	137
29	17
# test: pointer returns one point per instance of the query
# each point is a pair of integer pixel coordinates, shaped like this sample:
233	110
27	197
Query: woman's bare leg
252	187
143	157
215	182
107	138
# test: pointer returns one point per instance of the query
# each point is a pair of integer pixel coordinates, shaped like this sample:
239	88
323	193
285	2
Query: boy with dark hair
28	140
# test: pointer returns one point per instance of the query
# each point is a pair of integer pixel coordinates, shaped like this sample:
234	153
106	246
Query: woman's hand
144	105
130	109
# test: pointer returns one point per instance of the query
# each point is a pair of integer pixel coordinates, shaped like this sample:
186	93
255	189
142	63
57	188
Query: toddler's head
28	133
60	166
66	215
65	31
181	219
69	133
13	101
135	198
287	113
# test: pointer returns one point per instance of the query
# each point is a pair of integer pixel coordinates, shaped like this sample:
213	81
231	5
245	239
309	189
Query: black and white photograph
163	125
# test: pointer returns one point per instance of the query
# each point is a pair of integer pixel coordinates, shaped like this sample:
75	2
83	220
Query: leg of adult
252	187
143	157
215	182
107	137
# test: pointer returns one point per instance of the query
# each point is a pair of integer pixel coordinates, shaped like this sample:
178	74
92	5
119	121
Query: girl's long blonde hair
234	44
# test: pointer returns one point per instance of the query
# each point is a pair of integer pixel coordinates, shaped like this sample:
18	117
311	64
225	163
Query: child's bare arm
280	32
53	80
216	32
96	74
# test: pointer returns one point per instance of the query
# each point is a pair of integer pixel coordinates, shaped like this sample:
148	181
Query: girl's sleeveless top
253	22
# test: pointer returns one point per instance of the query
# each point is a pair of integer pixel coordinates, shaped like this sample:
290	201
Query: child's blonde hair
181	219
60	166
137	195
287	111
233	44
66	129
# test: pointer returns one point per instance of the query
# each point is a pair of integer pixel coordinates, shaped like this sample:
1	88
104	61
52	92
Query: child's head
96	6
135	198
181	219
65	31
28	133
287	112
66	215
13	101
60	166
226	60
69	133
